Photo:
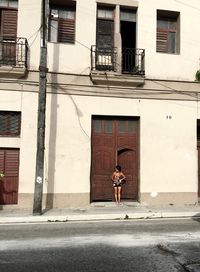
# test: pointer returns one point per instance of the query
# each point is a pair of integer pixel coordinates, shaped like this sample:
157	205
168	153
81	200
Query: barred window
10	123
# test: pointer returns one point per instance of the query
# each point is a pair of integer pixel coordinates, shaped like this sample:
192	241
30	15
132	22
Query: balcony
133	61
104	59
13	56
126	67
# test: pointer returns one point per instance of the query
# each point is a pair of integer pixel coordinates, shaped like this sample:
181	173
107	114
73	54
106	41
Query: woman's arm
123	176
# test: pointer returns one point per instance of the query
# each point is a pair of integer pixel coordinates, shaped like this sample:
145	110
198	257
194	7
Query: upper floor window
168	32
105	27
10	122
9	3
8	19
62	22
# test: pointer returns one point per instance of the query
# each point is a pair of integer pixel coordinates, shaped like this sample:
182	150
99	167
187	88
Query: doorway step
113	204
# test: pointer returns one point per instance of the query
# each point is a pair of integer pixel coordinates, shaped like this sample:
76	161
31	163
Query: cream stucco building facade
157	92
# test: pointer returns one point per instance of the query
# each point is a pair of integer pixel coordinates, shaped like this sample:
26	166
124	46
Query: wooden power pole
39	174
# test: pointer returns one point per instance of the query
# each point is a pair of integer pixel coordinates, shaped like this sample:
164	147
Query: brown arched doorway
114	141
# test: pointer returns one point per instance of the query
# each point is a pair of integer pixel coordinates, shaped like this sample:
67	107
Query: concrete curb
96	217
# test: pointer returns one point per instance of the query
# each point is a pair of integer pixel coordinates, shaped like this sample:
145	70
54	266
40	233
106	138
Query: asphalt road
136	246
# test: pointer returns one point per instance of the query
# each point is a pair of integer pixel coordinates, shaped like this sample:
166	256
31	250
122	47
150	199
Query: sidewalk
102	211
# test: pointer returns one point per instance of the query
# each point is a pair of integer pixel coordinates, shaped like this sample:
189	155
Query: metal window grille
10	123
13	52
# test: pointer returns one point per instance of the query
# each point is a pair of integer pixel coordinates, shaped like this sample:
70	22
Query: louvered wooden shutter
66	31
12	163
162	41
105	33
1	161
9	23
9	158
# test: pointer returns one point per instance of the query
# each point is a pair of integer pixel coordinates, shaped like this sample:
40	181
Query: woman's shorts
117	185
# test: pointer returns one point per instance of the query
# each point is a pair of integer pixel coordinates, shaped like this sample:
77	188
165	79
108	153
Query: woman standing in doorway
118	179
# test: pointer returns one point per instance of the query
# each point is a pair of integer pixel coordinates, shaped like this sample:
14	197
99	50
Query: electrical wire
187	5
36	35
73	102
85	46
89	48
174	90
120	89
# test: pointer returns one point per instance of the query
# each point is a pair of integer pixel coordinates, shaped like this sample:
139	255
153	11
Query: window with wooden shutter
8	33
66	32
9	4
62	23
105	28
167	39
105	51
105	33
8	18
9	24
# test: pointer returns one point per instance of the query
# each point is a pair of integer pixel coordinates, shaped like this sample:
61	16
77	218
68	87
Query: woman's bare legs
119	193
116	191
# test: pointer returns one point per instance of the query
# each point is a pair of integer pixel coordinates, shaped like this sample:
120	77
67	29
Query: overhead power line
187	5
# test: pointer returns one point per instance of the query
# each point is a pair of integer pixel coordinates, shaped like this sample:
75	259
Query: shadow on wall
53	78
52	133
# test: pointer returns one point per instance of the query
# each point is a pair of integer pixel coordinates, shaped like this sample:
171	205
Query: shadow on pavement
196	217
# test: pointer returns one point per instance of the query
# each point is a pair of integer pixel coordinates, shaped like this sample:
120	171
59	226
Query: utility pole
39	174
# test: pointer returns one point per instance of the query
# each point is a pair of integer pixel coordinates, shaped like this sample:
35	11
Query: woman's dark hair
118	167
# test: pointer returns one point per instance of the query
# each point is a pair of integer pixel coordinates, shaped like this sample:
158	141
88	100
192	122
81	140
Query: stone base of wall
25	202
66	200
159	199
50	201
61	201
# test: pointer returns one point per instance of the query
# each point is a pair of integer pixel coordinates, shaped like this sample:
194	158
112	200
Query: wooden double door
198	148
114	141
9	166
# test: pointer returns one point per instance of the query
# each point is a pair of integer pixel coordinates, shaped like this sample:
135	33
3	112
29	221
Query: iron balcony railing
133	61
105	59
13	52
